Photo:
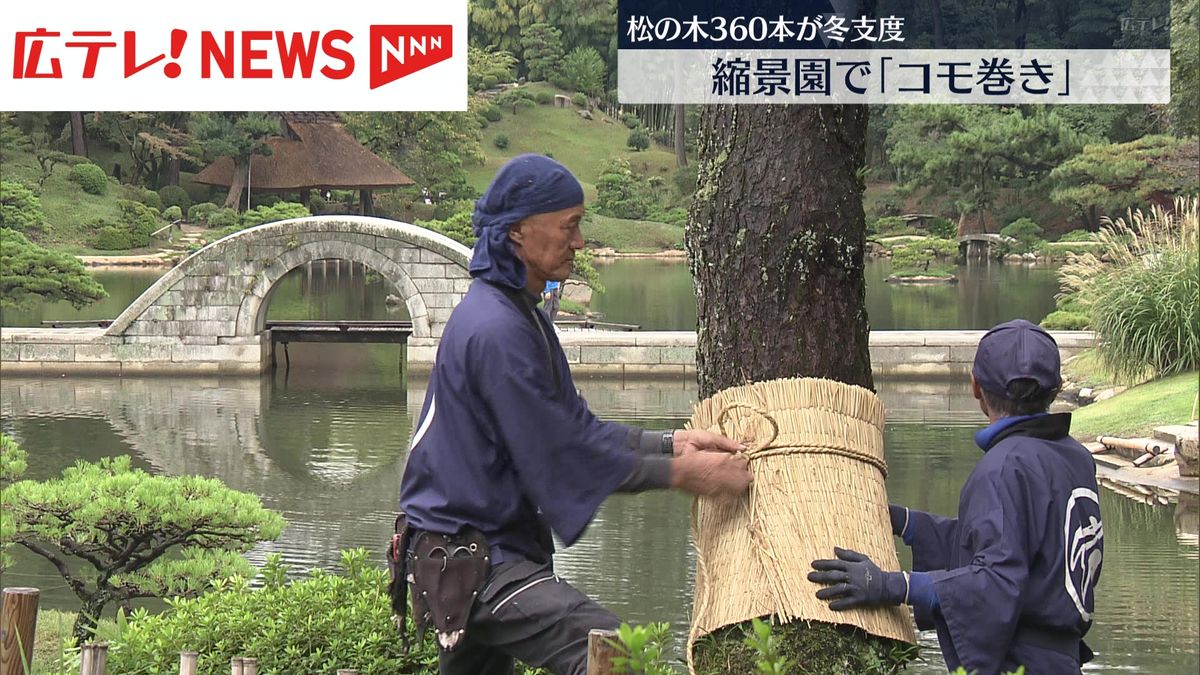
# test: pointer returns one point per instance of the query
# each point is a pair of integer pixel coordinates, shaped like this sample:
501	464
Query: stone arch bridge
208	313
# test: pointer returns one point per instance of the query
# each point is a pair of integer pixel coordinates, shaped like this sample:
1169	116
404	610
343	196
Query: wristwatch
668	442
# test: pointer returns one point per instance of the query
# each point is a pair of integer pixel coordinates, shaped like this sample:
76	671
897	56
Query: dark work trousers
525	611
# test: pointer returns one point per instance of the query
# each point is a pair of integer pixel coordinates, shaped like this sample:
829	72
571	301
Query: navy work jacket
1024	553
505	444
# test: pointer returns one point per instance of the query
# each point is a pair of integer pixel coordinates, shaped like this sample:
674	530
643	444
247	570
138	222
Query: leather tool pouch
447	573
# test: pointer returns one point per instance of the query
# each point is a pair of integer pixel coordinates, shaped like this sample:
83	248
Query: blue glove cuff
921	594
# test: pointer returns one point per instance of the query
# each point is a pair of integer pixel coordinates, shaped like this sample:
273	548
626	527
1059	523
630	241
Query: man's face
547	243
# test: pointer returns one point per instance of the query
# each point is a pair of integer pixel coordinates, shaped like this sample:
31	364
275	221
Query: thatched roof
317	152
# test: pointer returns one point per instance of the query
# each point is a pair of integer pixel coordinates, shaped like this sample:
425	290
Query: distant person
1012	580
506	452
550	297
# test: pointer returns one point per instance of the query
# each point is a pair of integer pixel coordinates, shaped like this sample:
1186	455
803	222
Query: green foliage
1112	178
430	147
620	192
20	209
500	141
137	221
890	226
493	113
200	213
579	99
117	238
543	98
1185	67
639	139
313	625
1027	234
630	120
582	70
517	99
457	227
29	272
123	523
1143	302
173	195
12	459
137	193
543	51
91	178
487	67
1061	319
810	647
237	135
642	649
770	661
943	227
1078	235
270	214
172	214
223	218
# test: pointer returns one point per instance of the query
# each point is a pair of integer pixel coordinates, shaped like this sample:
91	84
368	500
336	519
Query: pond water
325	444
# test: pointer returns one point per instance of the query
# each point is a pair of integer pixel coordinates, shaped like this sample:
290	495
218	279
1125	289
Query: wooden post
347	671
249	666
601	652
18	622
187	663
235	666
94	658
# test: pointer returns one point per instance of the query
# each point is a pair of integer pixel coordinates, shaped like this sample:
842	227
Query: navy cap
1016	350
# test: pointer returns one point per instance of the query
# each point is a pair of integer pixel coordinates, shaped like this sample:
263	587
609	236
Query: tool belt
446	573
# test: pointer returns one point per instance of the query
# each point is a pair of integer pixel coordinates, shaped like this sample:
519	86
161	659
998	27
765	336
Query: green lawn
631	236
579	144
1136	411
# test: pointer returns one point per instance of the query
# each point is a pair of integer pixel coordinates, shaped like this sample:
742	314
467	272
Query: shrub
1028	234
544	98
890	225
500	141
122	522
172	213
1078	235
916	260
270	214
312	625
490	81
223	217
631	120
943	228
173	195
638	139
579	99
91	178
664	137
1061	319
317	204
620	192
20	209
141	195
138	216
200	213
493	113
1143	303
116	238
456	226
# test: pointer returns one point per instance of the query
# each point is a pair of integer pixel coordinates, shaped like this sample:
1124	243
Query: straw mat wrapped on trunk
816	452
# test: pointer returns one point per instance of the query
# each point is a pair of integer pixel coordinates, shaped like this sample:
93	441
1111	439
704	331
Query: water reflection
325	445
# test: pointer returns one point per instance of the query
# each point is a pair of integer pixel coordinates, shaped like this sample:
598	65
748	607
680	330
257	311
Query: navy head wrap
526	185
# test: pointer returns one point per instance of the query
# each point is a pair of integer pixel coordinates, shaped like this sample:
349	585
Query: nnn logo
397	51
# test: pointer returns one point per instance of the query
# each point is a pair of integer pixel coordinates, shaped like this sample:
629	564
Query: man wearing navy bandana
506	451
1011	581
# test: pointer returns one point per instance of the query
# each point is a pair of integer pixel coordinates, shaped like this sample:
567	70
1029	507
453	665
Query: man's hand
854	581
698	440
711	474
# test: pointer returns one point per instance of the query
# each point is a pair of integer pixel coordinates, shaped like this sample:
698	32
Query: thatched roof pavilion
314	151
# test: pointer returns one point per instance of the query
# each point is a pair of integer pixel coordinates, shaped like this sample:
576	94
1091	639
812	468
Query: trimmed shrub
1061	319
222	217
200	213
500	141
172	213
270	214
173	195
579	99
90	177
621	193
493	113
1027	233
490	81
20	209
313	625
117	238
317	204
141	195
664	137
544	98
638	139
631	120
889	226
943	227
1078	235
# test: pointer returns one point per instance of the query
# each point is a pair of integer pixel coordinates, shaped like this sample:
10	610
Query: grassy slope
580	144
631	236
1136	411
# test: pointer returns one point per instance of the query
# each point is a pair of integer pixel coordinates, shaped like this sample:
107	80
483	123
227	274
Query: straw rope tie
769	449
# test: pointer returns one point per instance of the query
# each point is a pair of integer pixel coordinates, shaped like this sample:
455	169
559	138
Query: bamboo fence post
235	666
249	666
187	663
18	622
601	651
94	659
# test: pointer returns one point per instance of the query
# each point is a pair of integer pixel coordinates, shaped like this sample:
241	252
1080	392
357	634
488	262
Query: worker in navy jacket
1011	581
506	451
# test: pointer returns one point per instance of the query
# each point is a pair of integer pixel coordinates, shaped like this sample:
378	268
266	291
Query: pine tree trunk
233	200
680	137
776	245
78	135
776	238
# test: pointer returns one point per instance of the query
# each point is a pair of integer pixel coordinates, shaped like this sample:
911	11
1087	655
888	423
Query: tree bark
78	135
776	245
939	37
233	200
680	137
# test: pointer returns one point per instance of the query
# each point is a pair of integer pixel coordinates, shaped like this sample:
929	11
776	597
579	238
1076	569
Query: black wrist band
668	443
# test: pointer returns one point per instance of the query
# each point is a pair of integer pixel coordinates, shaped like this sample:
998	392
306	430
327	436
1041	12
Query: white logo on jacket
1083	534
